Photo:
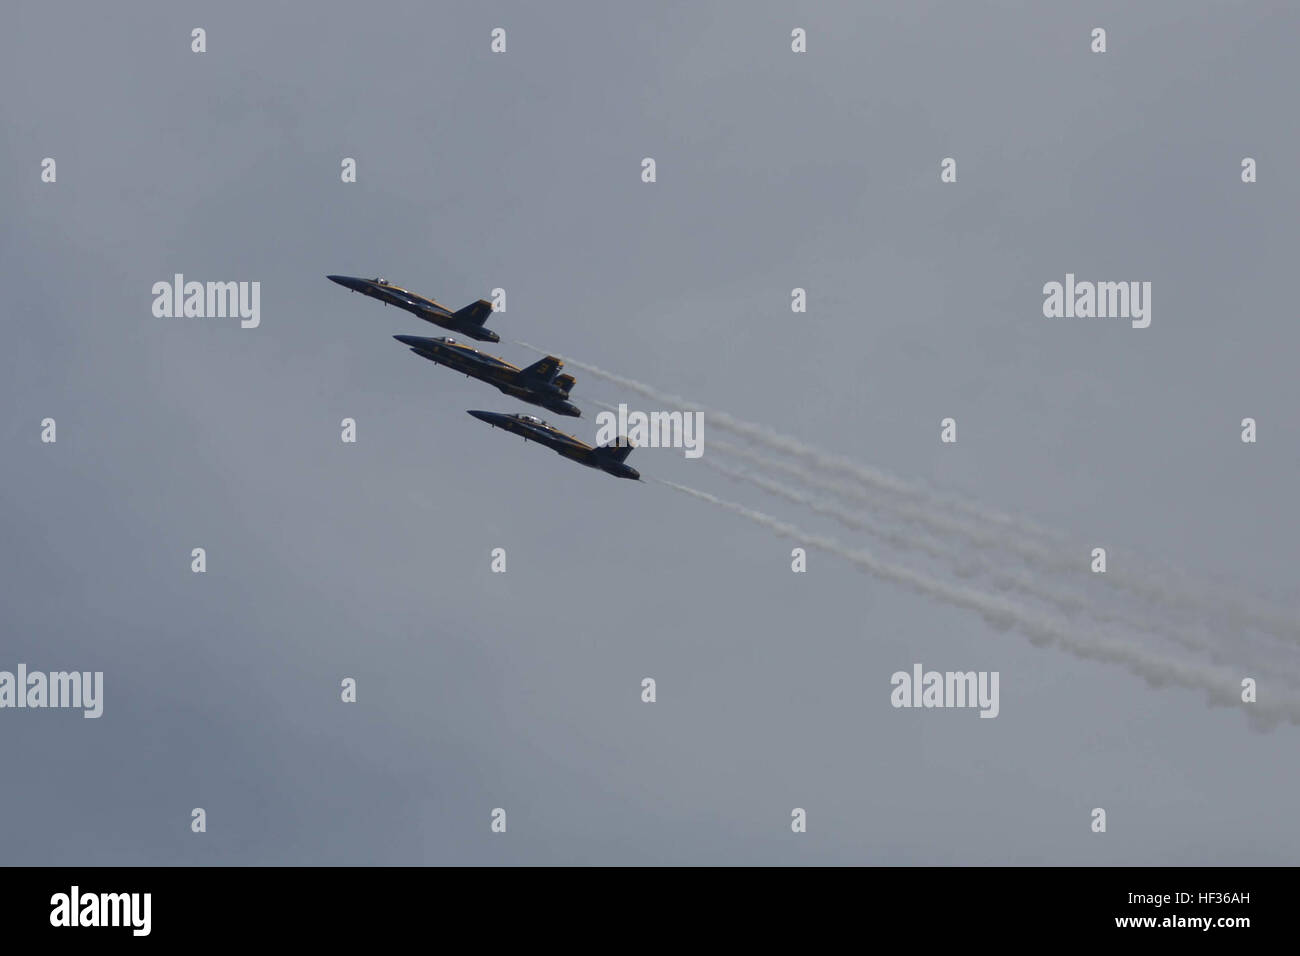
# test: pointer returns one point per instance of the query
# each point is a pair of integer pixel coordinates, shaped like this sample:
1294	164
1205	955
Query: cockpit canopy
533	419
381	280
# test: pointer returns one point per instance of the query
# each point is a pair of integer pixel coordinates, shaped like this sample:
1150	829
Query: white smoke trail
1219	686
1002	578
1228	610
793	446
1186	602
1073	605
930	518
1144	617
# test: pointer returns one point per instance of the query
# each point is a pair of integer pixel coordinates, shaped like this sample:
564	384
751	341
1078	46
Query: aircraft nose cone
346	281
410	340
483	416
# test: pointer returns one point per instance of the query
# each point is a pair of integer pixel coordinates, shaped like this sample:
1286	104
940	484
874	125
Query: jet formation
539	384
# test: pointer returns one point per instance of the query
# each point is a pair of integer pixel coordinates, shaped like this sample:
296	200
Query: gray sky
522	690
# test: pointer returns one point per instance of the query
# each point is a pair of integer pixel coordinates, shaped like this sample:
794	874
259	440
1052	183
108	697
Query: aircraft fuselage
467	322
509	379
534	429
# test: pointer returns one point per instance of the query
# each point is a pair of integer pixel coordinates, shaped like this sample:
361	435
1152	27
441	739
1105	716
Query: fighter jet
538	384
608	458
467	321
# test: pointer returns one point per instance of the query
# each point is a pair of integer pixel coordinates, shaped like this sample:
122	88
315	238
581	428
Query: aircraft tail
564	383
476	312
618	449
543	370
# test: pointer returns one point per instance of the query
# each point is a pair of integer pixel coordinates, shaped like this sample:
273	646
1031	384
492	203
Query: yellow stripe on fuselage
415	295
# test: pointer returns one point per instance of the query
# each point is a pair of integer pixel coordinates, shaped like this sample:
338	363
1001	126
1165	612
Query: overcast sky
522	171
